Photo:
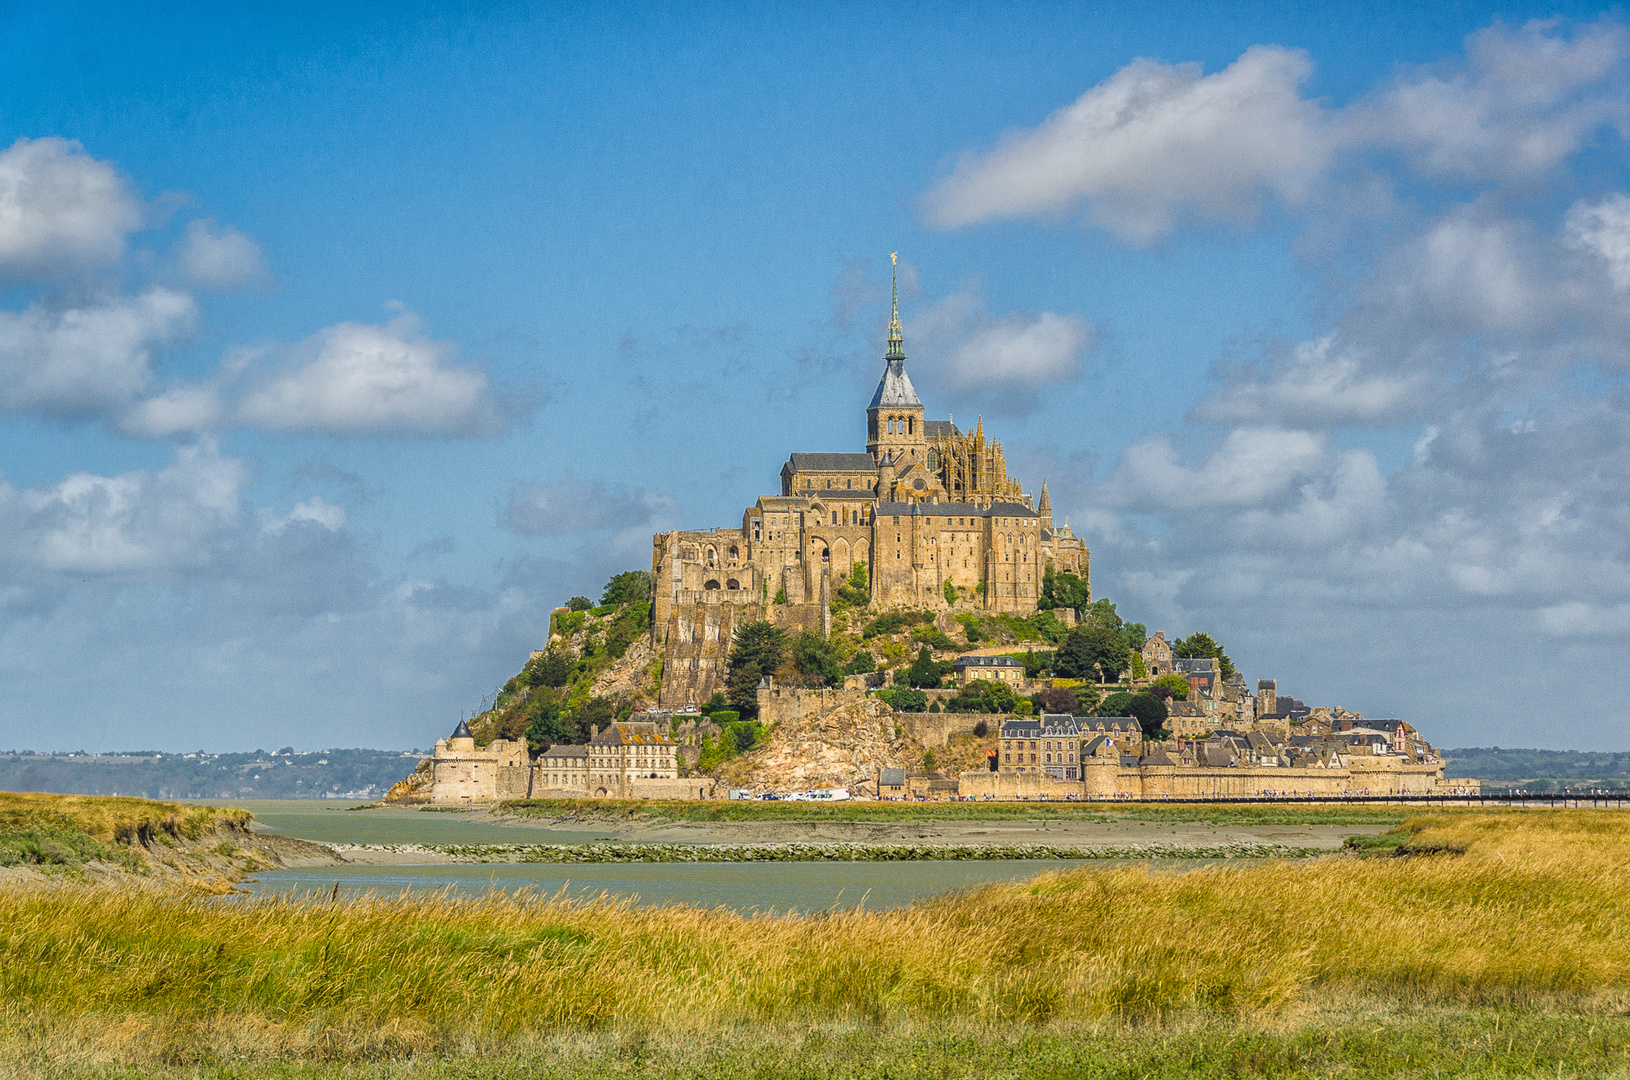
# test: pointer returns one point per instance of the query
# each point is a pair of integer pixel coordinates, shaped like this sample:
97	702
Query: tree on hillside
1093	652
1054	700
1135	634
757	650
1201	645
627	587
814	659
1149	711
984	696
1063	590
925	673
1170	686
579	603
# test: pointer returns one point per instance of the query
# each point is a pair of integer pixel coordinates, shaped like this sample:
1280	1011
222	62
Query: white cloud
1524	100
1317	384
1252	466
364	379
136	521
1603	229
87	359
570	505
219	257
1000	361
316	510
61	210
1151	145
179	409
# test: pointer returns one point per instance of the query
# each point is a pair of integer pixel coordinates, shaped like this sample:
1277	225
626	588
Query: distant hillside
1559	766
331	774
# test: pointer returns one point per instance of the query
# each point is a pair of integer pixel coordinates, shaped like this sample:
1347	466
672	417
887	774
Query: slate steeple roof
895	389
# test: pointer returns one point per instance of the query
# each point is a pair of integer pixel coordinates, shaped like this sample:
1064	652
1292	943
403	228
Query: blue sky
338	346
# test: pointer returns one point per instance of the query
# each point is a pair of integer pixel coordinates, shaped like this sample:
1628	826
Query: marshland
1458	943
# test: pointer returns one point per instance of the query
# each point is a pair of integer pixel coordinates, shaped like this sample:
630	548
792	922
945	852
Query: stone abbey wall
1108	780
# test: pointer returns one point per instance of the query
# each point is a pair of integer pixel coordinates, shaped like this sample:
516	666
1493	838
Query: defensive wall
1382	776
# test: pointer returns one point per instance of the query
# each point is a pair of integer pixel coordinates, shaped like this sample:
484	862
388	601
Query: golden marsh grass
1533	913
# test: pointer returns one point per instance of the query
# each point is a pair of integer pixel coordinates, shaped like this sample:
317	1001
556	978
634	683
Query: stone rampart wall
795	702
1107	779
936	729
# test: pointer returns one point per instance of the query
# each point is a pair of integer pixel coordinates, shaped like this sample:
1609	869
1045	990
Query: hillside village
913	704
907	621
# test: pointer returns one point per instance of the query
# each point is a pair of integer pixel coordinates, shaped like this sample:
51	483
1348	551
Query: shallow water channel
745	887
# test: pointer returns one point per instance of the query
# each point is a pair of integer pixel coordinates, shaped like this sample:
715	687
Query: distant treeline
284	774
1497	763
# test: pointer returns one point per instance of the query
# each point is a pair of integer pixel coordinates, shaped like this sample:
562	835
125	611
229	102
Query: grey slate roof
895	389
462	731
891	777
562	751
987	661
833	463
939	429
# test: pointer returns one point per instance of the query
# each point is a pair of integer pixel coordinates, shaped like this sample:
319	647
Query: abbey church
928	510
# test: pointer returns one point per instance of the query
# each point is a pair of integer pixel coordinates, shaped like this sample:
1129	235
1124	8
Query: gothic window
711	584
911	425
732	584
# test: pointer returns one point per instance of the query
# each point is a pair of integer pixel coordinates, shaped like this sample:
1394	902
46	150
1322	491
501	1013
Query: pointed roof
895	389
1045	507
462	731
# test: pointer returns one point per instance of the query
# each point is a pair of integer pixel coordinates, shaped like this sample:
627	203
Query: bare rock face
838	747
629	679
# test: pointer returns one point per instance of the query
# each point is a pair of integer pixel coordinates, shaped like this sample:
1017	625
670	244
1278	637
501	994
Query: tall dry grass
1536	908
114	819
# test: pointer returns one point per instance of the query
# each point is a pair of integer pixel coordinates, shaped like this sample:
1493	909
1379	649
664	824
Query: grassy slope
1279	969
67	831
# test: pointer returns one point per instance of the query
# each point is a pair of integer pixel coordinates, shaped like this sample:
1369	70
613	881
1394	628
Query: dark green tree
1135	634
984	696
1093	652
1055	700
546	728
816	659
1201	644
925	673
627	587
1063	590
1149	711
905	699
862	663
595	712
580	603
757	650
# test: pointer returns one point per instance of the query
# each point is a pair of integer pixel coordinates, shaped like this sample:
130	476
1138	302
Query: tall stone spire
1044	509
896	338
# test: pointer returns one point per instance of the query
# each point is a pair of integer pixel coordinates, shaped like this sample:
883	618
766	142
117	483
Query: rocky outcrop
838	747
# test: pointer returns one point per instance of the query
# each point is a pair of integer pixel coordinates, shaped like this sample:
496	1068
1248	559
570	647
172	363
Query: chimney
594	729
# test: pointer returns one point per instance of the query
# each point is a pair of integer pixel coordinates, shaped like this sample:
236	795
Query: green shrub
725	716
580	603
933	637
892	622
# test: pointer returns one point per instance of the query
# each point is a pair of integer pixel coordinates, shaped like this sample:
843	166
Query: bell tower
894	419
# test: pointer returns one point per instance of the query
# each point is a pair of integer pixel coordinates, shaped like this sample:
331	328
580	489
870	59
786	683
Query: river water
757	887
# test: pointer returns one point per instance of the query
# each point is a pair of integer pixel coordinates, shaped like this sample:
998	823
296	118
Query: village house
1001	668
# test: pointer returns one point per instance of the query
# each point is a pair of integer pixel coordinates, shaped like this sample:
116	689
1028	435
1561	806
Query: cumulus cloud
136	521
571	505
1001	361
1317	384
214	256
1602	228
1151	145
1252	466
61	210
354	379
1523	101
1157	145
76	360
